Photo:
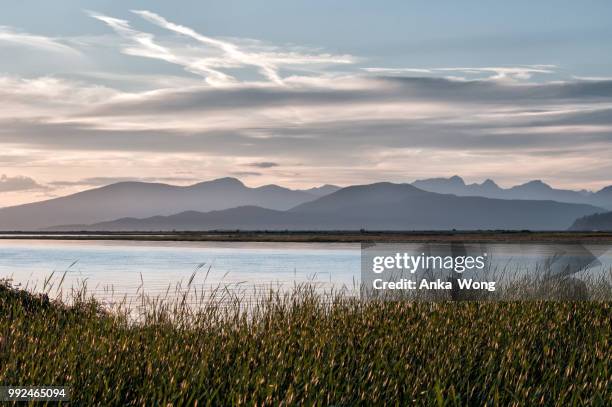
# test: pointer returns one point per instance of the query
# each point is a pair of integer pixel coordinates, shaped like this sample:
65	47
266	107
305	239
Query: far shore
326	236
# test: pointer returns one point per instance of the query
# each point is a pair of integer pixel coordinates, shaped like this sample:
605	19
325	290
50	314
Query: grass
304	348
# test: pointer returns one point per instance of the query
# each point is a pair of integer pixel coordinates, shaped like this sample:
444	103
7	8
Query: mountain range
380	206
143	199
532	190
226	203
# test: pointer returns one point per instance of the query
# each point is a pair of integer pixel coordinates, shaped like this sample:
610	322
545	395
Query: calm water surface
120	269
116	269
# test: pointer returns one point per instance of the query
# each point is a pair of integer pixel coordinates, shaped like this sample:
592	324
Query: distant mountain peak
534	184
456	179
225	181
606	190
489	183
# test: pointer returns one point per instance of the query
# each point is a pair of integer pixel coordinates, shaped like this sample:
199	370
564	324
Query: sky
303	93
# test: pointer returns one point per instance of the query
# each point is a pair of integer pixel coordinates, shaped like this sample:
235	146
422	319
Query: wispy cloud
431	113
264	164
498	73
101	181
593	78
50	97
18	183
144	45
12	36
398	71
231	52
215	54
247	173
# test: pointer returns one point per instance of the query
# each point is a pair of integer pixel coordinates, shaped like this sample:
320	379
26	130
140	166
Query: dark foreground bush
303	349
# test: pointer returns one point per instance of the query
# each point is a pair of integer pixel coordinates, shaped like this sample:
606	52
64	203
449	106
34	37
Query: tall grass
302	347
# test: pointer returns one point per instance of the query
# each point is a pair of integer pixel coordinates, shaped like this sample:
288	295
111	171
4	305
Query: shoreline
327	237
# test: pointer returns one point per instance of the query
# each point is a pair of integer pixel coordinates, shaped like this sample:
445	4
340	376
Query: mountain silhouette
603	197
323	190
380	206
532	190
596	222
141	199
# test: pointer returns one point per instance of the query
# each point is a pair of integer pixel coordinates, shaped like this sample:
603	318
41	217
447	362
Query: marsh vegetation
301	347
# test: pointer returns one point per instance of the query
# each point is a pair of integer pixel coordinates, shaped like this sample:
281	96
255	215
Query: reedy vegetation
306	348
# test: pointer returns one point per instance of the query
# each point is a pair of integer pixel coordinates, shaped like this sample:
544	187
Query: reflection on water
116	269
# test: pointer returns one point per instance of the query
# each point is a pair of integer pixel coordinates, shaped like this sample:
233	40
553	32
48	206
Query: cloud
102	181
392	90
264	164
245	103
503	73
389	71
593	78
11	36
18	183
144	45
93	181
247	174
499	73
231	52
37	96
214	54
315	124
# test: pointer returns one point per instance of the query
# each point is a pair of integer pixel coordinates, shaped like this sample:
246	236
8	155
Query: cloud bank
18	183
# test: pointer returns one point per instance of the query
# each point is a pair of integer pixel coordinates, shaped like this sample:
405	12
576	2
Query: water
120	269
115	270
